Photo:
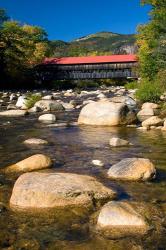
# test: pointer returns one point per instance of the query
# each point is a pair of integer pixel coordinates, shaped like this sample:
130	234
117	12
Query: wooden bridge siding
83	71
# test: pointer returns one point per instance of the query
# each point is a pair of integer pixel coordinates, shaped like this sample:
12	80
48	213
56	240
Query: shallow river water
73	149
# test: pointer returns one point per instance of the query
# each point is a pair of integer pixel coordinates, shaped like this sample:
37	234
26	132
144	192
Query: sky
70	19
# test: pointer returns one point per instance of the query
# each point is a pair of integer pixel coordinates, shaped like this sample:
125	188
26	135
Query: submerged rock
51	190
133	169
35	141
104	113
34	162
121	219
117	142
97	163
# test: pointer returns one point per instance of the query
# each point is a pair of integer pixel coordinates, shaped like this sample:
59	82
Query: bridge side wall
86	71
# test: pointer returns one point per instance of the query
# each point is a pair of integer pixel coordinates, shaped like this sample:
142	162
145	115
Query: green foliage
85	84
152	41
163	110
148	91
32	99
21	47
132	85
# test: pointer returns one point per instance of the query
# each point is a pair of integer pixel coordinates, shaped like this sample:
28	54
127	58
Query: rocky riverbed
82	171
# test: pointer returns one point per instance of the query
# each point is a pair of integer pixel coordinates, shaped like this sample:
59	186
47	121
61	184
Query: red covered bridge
89	67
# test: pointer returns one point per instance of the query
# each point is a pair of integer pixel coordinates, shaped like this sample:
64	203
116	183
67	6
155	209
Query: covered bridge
89	67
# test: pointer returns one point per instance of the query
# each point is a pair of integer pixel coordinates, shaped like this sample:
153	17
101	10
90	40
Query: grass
32	99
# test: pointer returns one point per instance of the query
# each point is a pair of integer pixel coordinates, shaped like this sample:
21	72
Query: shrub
32	99
148	91
163	110
132	85
161	79
85	84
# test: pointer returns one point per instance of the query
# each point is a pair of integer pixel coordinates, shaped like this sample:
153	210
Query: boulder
117	142
49	105
121	219
12	97
133	169
130	102
104	114
53	190
150	105
35	141
48	97
47	118
34	110
152	121
11	106
68	106
34	162
14	113
144	114
21	102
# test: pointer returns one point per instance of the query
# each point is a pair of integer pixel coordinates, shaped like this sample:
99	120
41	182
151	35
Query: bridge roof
92	59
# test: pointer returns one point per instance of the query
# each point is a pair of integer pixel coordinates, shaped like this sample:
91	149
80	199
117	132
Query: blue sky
70	19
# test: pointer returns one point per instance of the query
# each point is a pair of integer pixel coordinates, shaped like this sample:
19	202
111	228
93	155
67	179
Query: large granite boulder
133	169
105	114
121	219
49	105
34	162
51	190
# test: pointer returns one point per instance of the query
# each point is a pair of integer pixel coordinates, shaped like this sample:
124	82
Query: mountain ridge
103	42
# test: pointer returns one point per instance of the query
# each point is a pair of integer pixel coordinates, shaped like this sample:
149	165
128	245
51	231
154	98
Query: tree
22	47
152	40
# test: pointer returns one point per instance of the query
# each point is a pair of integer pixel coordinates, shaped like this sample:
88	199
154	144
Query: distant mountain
99	43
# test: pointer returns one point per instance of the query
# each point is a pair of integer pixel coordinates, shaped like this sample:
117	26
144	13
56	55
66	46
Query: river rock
48	97
145	113
34	109
117	142
21	102
14	113
67	106
35	141
121	219
12	97
49	105
150	105
47	118
104	113
133	169
98	163
11	106
34	162
152	121
51	190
